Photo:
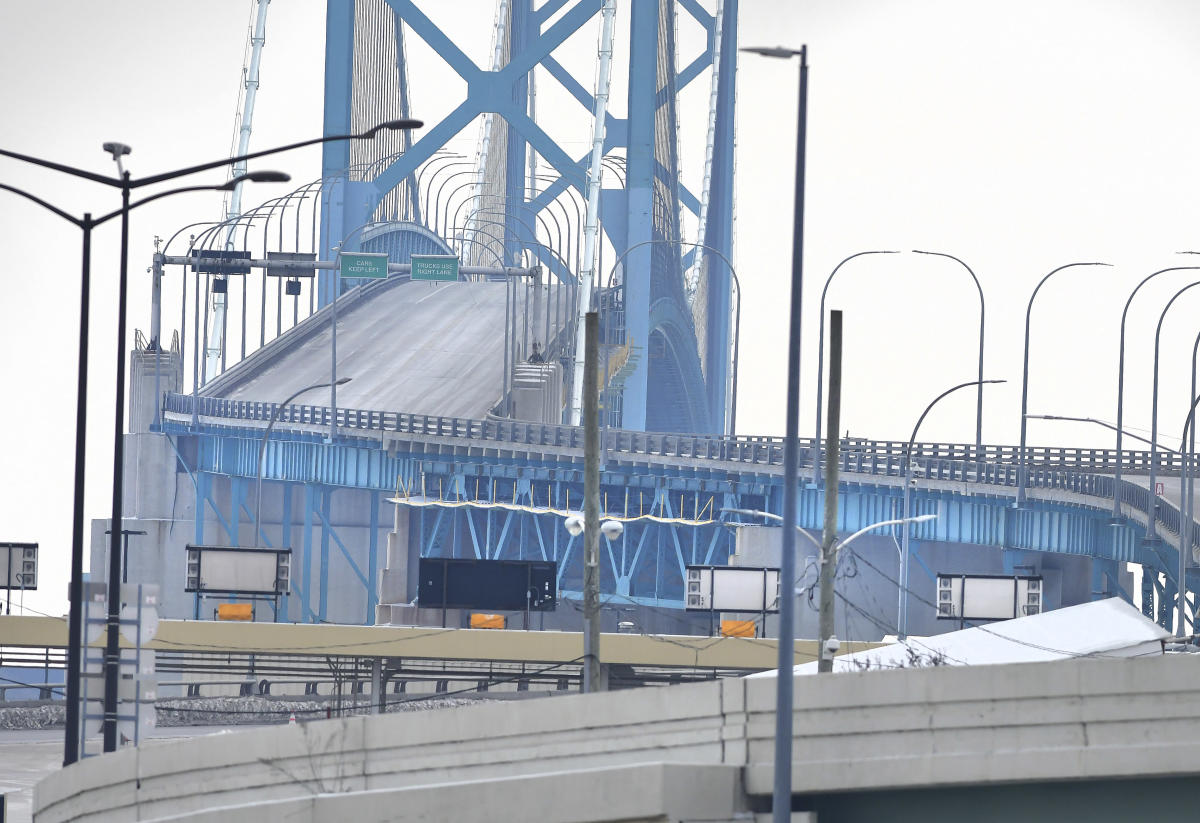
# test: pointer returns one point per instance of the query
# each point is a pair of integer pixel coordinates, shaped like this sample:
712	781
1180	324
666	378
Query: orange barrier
235	611
487	621
739	628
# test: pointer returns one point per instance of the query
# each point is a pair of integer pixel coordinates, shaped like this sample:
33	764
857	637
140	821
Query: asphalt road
421	348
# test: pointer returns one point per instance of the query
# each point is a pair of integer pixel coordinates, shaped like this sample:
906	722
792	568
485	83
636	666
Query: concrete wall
1076	723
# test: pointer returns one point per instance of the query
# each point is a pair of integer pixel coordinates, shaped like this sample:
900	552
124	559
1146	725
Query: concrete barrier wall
948	725
684	724
1069	720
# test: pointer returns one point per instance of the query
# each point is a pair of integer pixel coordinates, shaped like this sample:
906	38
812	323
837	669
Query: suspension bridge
457	433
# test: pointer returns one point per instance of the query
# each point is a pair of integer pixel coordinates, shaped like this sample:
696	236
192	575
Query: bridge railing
875	456
1080	471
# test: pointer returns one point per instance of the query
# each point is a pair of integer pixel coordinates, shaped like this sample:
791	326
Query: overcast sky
1018	136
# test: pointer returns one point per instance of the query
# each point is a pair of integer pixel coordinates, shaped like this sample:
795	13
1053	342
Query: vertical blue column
520	33
203	479
373	560
323	579
639	184
237	495
718	232
335	156
285	542
306	559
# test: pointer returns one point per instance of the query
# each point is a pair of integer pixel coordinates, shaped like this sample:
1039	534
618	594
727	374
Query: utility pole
593	680
829	538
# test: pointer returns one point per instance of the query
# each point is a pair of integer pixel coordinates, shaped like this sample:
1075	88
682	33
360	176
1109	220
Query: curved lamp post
1022	472
1186	532
75	593
1151	524
920	518
902	628
1187	445
979	394
1121	379
127	184
262	450
1103	423
821	360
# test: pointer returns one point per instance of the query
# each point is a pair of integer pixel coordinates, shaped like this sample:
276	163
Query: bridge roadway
433	348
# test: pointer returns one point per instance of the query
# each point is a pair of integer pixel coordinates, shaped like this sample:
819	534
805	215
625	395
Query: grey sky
1018	136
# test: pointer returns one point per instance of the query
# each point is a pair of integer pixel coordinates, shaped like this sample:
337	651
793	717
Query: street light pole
592	677
262	451
816	467
902	628
920	518
1187	502
1116	513
979	392
1151	525
829	531
126	185
1022	471
1187	526
75	584
112	647
781	795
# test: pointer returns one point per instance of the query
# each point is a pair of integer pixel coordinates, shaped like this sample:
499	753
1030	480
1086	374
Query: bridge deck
435	348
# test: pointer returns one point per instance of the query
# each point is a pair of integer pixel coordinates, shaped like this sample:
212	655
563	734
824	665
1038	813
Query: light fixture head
771	51
267	176
574	525
117	150
256	177
343	381
612	529
402	124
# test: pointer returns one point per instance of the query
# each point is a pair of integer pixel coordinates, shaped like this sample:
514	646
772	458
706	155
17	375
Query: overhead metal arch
668	320
401	240
650	198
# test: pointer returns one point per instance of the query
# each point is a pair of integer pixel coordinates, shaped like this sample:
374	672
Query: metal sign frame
20	577
195	573
1034	584
690	581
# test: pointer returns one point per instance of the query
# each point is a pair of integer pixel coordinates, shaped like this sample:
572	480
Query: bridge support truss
679	382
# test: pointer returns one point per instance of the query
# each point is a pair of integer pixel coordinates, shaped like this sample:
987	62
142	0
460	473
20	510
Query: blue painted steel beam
640	167
718	231
335	156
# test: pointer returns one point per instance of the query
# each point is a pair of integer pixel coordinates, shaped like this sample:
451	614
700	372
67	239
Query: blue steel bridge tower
670	314
626	226
408	461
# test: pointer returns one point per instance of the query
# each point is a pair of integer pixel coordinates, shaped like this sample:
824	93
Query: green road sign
372	266
434	267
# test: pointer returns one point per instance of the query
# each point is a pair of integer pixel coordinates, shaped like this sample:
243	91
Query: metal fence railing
1081	471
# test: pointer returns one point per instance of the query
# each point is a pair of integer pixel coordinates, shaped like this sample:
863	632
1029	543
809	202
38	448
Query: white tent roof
1103	628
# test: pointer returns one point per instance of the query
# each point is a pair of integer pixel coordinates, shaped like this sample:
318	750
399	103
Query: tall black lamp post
126	184
74	623
781	797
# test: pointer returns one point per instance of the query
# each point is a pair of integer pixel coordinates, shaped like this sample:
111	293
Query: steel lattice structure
680	381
